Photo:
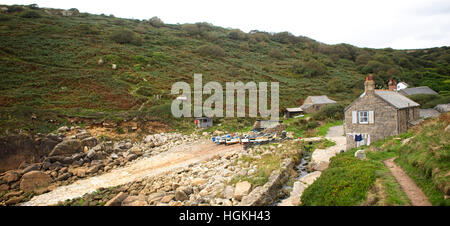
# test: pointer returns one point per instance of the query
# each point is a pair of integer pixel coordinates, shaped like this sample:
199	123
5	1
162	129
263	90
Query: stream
302	171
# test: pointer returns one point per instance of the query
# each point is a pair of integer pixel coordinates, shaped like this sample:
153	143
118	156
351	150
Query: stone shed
377	114
203	122
315	103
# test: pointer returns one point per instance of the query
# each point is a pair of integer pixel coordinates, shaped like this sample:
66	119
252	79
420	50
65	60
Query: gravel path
414	193
179	156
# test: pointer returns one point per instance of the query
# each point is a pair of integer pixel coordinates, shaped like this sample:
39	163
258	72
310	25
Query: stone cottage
315	103
377	114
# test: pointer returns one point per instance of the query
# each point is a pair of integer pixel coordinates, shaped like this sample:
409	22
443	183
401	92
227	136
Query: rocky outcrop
15	150
34	181
67	147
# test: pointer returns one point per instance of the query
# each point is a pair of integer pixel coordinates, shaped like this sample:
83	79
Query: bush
89	29
429	100
237	34
211	50
126	37
284	37
275	53
191	29
310	68
156	22
31	14
333	111
14	9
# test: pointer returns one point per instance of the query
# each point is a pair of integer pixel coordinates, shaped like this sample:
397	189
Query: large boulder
31	167
11	176
360	154
34	181
67	147
442	108
198	181
135	201
89	142
117	200
242	189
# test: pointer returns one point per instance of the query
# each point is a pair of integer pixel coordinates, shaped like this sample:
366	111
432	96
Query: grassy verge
349	181
426	159
423	152
323	130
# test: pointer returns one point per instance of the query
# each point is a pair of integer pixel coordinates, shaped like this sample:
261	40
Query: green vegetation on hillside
50	69
426	159
429	100
423	152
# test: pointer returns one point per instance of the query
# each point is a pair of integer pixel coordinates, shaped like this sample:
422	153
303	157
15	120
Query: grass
423	153
348	181
311	128
345	182
268	162
48	63
323	130
426	157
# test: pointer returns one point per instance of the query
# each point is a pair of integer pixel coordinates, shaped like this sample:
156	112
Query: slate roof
397	100
322	100
418	90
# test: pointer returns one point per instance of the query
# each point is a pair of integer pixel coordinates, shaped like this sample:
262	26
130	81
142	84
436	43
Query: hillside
422	152
51	75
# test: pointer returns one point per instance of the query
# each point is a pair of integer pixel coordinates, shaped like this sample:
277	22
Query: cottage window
363	117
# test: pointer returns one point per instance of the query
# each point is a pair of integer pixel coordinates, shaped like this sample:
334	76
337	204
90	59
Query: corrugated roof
294	109
322	100
397	100
418	90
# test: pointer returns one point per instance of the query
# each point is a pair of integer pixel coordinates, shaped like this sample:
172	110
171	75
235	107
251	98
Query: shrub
333	111
156	22
14	9
284	37
310	68
275	53
190	29
126	37
429	100
89	29
211	50
237	34
31	14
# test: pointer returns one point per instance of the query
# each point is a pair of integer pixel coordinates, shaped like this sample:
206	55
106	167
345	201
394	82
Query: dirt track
179	156
410	188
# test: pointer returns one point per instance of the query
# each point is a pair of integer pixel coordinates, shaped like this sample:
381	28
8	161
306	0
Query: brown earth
414	193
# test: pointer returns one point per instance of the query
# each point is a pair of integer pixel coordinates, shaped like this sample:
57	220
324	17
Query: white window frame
361	116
